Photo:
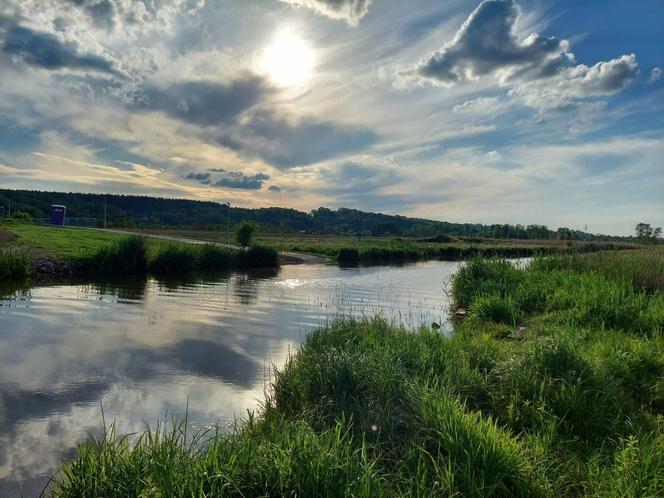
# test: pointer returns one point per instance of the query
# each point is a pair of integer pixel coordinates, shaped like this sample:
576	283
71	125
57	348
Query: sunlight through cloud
288	60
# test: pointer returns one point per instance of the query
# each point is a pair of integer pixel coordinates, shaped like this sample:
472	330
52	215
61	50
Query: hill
144	211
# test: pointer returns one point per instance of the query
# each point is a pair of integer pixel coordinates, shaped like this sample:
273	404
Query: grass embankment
92	251
569	404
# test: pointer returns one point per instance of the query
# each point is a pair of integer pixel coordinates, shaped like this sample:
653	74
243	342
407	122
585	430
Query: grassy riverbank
56	251
552	386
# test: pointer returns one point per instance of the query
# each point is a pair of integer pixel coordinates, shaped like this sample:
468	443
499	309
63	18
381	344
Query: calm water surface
144	349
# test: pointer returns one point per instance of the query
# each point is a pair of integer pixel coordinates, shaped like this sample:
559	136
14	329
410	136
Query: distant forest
144	211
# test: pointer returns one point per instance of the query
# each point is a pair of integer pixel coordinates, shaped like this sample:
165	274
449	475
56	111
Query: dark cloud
41	49
349	10
205	103
286	144
487	43
274	188
238	180
229	179
203	178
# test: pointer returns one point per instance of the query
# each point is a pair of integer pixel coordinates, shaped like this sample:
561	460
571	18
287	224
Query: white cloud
655	74
350	11
541	70
481	105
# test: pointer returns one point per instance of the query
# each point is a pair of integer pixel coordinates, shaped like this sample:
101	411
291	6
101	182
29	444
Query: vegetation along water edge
551	385
51	252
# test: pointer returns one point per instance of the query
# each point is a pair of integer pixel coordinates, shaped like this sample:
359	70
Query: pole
104	212
228	222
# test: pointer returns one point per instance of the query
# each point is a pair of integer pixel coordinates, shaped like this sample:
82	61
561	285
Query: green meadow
551	385
102	252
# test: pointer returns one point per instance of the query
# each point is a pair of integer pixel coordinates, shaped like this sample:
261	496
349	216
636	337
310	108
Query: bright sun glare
288	60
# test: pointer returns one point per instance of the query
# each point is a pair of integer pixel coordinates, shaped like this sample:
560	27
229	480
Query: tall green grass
133	256
495	290
14	265
645	268
125	257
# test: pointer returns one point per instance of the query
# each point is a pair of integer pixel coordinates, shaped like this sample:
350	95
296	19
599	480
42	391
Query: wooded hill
132	210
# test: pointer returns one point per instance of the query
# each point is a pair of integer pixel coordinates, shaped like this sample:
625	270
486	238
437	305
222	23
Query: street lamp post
228	221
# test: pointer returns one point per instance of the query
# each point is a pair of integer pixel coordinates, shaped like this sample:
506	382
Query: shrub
348	255
258	257
215	257
175	259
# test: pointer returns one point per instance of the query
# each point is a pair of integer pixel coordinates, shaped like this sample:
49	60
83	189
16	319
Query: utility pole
228	221
104	212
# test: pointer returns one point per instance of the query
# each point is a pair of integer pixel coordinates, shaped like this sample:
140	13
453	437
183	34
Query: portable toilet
58	215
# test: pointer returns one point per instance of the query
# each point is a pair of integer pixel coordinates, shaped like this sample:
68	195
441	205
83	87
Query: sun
288	60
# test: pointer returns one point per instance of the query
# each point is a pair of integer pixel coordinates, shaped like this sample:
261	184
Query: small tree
645	234
244	232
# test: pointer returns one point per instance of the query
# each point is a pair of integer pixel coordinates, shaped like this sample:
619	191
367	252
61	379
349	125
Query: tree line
145	211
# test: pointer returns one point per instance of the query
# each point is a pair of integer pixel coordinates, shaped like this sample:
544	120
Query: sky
496	111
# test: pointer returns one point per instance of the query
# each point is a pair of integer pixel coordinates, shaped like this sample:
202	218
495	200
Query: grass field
552	386
58	242
96	251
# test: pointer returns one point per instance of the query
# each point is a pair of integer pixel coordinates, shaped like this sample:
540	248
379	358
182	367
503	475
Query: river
145	350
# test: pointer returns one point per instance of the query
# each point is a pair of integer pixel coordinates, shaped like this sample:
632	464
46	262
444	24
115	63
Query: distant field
330	245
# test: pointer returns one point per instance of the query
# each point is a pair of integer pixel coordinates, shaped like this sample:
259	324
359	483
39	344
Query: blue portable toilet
58	215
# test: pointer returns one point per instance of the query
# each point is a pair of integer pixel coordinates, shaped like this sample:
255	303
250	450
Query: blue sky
501	111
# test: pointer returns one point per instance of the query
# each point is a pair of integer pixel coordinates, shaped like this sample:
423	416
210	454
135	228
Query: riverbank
50	253
551	386
66	252
384	250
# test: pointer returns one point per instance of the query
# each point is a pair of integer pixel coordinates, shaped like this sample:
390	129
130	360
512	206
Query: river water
144	350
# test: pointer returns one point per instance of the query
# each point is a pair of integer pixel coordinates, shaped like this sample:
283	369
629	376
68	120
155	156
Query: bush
258	257
348	255
175	259
215	257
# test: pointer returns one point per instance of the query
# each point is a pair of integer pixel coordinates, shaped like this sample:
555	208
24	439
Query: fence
69	222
